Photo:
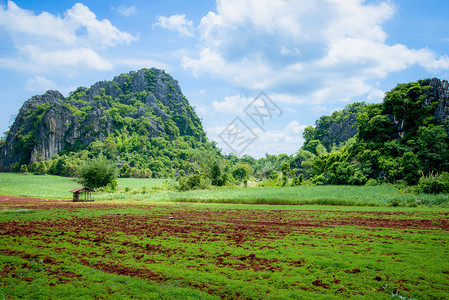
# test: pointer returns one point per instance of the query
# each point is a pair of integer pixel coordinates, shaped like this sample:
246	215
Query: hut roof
82	188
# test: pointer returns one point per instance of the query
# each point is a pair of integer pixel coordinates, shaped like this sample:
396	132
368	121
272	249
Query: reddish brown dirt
185	221
23	200
192	225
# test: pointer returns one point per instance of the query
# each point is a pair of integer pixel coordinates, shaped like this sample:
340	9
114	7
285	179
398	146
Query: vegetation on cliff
141	119
401	139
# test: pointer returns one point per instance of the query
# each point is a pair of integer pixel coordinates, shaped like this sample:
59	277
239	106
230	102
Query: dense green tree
312	146
217	178
97	172
241	171
433	148
376	130
410	168
286	171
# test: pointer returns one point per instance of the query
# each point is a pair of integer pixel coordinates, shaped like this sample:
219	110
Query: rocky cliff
149	102
405	105
438	92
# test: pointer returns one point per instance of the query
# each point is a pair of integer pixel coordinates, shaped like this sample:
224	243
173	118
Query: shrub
434	184
371	182
41	169
296	182
15	167
273	175
358	178
270	183
34	166
191	182
23	168
319	179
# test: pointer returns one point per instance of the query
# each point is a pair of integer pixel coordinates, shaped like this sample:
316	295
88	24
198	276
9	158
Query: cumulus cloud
98	33
273	141
40	84
79	57
78	26
126	11
136	63
19	21
232	104
317	51
45	40
177	23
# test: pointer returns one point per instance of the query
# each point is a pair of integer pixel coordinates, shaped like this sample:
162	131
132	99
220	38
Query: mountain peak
148	102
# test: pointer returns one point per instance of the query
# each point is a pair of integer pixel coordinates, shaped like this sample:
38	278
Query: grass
162	190
153	242
385	195
218	251
37	186
57	187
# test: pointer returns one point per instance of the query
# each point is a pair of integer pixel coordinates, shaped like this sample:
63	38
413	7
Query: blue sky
309	57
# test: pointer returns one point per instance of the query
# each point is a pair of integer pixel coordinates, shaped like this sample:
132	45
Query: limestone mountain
400	139
406	106
146	105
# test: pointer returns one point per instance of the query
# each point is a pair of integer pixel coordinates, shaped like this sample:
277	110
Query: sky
257	71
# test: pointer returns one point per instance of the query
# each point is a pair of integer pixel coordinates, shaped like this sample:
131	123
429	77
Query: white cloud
249	72
19	21
233	104
135	63
40	84
34	59
78	26
98	33
286	140
285	51
125	10
375	95
287	98
177	23
315	51
80	57
48	42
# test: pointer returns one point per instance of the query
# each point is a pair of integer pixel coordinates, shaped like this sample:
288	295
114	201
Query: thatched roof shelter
82	190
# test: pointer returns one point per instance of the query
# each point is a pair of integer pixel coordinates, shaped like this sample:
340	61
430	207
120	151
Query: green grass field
161	190
201	251
57	187
155	243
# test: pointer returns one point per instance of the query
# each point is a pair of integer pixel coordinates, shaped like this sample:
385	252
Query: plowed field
57	249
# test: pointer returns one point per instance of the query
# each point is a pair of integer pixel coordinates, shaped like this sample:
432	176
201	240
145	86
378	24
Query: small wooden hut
86	194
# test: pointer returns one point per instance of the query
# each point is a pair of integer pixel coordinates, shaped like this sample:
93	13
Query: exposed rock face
440	91
50	123
343	131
